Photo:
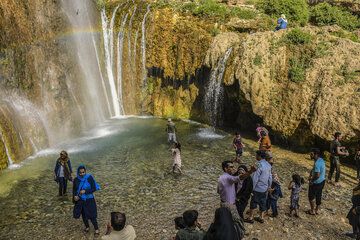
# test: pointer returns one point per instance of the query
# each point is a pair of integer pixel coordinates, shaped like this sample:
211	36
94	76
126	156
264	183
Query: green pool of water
129	159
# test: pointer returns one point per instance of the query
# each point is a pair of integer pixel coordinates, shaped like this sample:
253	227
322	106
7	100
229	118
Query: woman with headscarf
354	213
282	23
63	172
243	191
223	226
85	205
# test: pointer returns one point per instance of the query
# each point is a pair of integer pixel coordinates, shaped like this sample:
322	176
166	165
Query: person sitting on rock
282	21
116	229
190	232
179	224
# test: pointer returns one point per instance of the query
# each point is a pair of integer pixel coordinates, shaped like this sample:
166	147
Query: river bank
129	160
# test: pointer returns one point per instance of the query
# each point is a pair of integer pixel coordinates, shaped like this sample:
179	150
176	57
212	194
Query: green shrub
209	8
215	31
295	10
250	2
258	60
243	13
325	14
189	6
297	70
297	36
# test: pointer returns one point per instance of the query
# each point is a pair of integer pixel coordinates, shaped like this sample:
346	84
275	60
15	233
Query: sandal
260	220
309	212
247	220
96	234
86	230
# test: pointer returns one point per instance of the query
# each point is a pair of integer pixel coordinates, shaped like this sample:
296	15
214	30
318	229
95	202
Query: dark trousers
240	206
334	164
357	167
273	204
62	185
86	220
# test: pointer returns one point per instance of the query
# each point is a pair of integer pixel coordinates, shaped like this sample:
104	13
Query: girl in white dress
177	159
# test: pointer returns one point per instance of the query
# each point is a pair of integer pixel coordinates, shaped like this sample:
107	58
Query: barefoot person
63	172
336	151
238	145
117	228
316	182
83	188
177	159
171	131
295	186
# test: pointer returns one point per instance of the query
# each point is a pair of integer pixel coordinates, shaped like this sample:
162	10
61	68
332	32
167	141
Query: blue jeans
62	186
273	204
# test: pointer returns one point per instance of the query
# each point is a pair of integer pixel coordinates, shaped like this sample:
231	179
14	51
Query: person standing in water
63	172
238	145
171	131
83	188
177	159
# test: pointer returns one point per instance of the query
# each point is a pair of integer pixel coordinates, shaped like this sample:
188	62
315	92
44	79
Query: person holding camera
336	151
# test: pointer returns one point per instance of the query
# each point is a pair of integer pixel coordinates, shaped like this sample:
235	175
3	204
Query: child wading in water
295	186
177	160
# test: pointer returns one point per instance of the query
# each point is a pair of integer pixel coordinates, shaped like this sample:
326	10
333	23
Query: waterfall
143	47
134	54
102	78
215	91
129	35
120	45
6	149
108	64
111	34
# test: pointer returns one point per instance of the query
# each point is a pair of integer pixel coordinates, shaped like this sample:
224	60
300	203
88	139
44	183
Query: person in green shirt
190	232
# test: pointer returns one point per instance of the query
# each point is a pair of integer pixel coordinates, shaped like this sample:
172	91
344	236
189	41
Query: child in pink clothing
177	160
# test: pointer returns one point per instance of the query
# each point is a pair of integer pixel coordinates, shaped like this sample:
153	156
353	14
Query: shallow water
129	159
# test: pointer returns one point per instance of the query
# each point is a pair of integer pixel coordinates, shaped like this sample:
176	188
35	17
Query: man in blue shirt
262	180
316	182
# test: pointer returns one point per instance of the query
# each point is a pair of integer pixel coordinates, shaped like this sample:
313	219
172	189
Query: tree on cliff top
296	11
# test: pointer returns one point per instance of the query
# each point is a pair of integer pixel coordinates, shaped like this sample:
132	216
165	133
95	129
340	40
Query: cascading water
111	34
108	62
6	149
93	100
143	46
215	91
120	46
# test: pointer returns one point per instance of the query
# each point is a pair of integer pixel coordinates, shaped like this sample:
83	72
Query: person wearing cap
282	23
171	131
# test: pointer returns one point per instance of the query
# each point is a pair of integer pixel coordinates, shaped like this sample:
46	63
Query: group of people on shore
259	185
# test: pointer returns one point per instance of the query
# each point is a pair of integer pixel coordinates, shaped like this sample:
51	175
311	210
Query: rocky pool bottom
129	160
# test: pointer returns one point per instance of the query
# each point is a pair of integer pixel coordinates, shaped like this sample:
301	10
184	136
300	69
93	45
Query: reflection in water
129	159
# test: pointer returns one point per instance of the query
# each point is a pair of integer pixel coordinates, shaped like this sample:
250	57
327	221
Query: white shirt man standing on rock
171	131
